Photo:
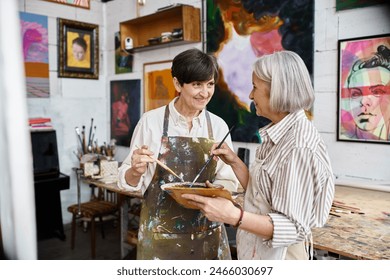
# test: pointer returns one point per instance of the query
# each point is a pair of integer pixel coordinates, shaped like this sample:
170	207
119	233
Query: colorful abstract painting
125	109
364	89
239	31
36	54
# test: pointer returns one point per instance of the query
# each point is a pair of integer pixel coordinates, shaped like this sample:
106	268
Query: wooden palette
175	190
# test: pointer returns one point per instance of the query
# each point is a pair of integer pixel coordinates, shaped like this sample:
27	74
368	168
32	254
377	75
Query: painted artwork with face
364	99
240	31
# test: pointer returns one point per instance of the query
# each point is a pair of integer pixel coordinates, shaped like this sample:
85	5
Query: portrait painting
125	109
35	54
158	85
85	4
78	49
364	89
240	31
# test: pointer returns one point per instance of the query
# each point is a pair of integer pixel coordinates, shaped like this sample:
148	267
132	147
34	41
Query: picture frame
85	4
125	108
158	86
78	49
364	90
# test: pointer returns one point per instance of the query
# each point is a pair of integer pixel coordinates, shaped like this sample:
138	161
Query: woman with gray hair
290	186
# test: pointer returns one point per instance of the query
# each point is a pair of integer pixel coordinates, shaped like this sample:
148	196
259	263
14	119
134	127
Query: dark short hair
81	42
380	59
194	65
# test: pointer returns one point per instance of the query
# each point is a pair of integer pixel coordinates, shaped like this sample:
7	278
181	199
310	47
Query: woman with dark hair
181	135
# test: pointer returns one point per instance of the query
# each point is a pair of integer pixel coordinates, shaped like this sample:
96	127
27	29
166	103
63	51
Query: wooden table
124	201
358	236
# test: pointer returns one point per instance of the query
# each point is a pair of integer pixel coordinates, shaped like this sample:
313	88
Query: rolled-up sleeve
302	198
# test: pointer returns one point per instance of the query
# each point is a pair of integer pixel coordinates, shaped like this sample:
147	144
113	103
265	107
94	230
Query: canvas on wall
158	86
125	109
78	49
364	89
36	54
240	31
123	58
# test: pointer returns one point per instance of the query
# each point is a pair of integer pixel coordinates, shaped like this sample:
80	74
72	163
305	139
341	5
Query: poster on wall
240	31
125	109
364	89
35	54
123	58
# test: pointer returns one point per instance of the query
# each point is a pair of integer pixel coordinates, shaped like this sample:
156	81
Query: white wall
74	101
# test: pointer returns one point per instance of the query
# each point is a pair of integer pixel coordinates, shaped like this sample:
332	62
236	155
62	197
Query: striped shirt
295	178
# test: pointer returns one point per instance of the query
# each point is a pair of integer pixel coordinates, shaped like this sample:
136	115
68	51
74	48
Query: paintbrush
164	166
90	133
79	137
211	157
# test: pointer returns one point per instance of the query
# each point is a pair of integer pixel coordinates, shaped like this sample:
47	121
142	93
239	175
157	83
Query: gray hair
289	79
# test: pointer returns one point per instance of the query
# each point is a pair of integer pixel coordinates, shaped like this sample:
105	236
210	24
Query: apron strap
165	126
166	122
209	126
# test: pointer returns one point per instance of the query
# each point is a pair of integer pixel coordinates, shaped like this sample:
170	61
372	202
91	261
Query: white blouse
149	131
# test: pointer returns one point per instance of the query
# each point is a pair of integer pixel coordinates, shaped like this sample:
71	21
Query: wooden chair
91	210
100	206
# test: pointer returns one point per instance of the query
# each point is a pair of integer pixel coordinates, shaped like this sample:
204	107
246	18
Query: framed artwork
123	58
85	4
240	31
364	89
35	54
78	49
158	85
125	109
353	4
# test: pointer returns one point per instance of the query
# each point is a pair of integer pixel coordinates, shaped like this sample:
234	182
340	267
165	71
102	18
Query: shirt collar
277	131
180	119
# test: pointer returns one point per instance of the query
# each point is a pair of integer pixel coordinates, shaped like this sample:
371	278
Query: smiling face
369	88
194	96
260	95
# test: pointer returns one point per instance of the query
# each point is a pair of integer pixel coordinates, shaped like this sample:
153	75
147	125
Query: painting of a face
367	89
78	52
364	89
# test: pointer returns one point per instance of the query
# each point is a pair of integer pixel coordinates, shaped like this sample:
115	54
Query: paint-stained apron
252	247
167	230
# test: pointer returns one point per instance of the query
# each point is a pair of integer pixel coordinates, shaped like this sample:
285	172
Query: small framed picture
78	49
364	89
158	85
125	109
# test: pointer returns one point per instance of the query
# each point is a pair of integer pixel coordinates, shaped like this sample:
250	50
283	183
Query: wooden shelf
151	26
